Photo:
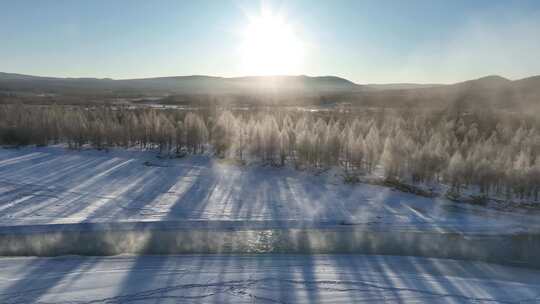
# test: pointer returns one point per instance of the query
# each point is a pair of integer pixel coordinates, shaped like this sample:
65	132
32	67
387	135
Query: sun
270	46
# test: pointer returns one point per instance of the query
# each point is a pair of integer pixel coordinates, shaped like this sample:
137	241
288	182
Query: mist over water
514	249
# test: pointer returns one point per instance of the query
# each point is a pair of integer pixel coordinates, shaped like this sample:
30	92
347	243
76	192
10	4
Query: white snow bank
262	279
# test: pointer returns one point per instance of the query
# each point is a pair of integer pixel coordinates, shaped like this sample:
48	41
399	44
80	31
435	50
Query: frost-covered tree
498	154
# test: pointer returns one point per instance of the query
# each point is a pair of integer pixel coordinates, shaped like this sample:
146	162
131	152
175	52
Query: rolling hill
490	90
196	84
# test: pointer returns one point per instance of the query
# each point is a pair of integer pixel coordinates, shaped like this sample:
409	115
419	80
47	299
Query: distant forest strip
496	152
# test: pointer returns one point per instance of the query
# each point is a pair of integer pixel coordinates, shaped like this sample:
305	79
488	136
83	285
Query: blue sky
365	41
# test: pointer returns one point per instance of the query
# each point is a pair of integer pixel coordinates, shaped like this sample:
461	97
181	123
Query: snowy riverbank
53	185
262	279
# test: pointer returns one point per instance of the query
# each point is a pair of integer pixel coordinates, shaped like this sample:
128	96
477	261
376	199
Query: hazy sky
364	41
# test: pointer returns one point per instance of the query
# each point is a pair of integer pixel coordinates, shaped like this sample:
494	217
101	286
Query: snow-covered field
262	279
55	201
53	185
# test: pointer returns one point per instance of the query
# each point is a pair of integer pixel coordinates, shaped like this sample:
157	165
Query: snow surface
262	279
53	185
57	201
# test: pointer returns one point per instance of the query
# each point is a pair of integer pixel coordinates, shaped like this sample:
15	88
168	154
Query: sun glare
270	46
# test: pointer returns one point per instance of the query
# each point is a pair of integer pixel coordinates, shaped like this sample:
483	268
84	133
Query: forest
493	152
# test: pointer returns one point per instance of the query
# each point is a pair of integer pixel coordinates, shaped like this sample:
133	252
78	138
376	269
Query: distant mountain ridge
302	89
195	84
401	86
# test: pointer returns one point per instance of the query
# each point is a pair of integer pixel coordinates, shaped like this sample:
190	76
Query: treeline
103	127
497	153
